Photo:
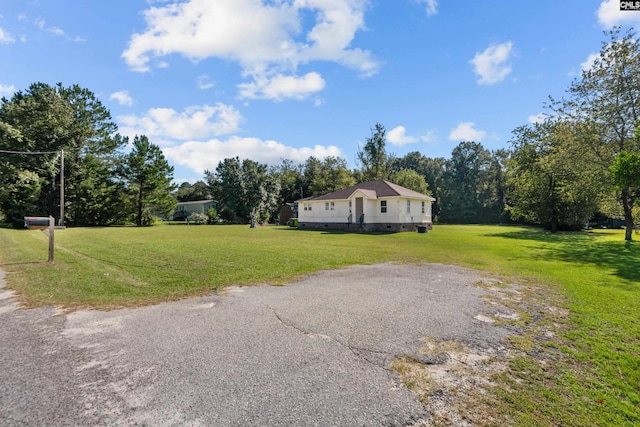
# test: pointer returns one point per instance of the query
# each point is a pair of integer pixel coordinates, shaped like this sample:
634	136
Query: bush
198	218
212	216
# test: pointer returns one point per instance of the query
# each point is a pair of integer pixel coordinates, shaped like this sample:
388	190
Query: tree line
103	184
582	160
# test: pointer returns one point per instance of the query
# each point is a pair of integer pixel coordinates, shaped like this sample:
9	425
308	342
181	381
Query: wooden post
52	227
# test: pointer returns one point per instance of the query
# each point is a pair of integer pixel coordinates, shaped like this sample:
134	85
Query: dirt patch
457	382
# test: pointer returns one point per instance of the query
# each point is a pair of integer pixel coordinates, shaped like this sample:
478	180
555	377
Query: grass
596	276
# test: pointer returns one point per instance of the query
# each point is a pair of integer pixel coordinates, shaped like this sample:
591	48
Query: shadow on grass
333	231
4	264
586	248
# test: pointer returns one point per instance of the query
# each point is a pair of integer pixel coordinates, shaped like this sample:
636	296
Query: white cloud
122	97
610	15
432	6
429	137
588	63
538	118
198	29
198	122
200	156
398	136
43	26
281	87
465	132
491	65
7	90
6	37
204	83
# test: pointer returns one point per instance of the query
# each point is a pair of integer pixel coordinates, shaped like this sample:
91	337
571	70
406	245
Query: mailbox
36	222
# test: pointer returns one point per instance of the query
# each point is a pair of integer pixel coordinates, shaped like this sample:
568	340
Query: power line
61	153
28	152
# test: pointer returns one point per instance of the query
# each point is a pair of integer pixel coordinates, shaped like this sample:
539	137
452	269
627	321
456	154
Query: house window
326	206
349	204
383	206
310	206
305	206
423	207
332	205
408	206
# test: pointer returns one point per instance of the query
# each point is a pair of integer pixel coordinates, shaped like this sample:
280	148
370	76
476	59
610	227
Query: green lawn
597	276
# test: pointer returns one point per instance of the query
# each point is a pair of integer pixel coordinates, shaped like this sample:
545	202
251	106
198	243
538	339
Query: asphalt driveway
314	352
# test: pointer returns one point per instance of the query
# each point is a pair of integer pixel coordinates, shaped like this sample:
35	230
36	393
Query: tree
98	197
225	184
463	180
292	182
21	198
375	162
190	193
147	176
245	192
51	119
261	191
494	191
327	175
625	171
550	184
432	169
605	102
408	178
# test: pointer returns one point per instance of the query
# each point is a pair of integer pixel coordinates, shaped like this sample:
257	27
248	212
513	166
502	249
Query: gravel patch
315	352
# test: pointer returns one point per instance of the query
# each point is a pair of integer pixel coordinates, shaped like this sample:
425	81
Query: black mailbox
36	222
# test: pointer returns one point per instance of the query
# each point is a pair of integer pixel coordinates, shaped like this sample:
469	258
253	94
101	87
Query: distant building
184	209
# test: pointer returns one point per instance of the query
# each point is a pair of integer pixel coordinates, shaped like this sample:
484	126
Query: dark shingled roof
374	189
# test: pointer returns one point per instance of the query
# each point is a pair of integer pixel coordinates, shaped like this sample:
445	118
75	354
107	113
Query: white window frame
326	206
332	206
408	206
383	206
424	207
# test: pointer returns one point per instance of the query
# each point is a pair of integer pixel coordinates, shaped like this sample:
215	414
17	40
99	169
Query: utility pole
61	220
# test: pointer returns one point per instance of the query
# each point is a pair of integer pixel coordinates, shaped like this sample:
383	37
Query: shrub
212	215
198	218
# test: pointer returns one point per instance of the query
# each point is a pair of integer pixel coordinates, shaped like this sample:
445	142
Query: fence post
52	227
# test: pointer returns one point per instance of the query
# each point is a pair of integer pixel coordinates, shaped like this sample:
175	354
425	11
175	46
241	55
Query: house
184	209
368	206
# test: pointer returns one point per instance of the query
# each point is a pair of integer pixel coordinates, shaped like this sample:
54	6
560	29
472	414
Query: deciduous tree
327	175
605	101
550	185
463	180
245	192
408	178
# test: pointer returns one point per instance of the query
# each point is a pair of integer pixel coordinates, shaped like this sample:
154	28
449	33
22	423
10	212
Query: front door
359	209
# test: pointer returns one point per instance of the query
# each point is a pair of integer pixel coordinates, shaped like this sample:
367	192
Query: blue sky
272	79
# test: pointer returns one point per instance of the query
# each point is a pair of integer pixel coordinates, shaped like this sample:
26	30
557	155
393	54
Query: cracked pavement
313	352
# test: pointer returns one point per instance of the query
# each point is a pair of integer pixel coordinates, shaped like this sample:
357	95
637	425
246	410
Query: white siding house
368	206
184	209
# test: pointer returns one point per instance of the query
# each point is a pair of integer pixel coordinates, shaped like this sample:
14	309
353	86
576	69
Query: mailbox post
44	224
